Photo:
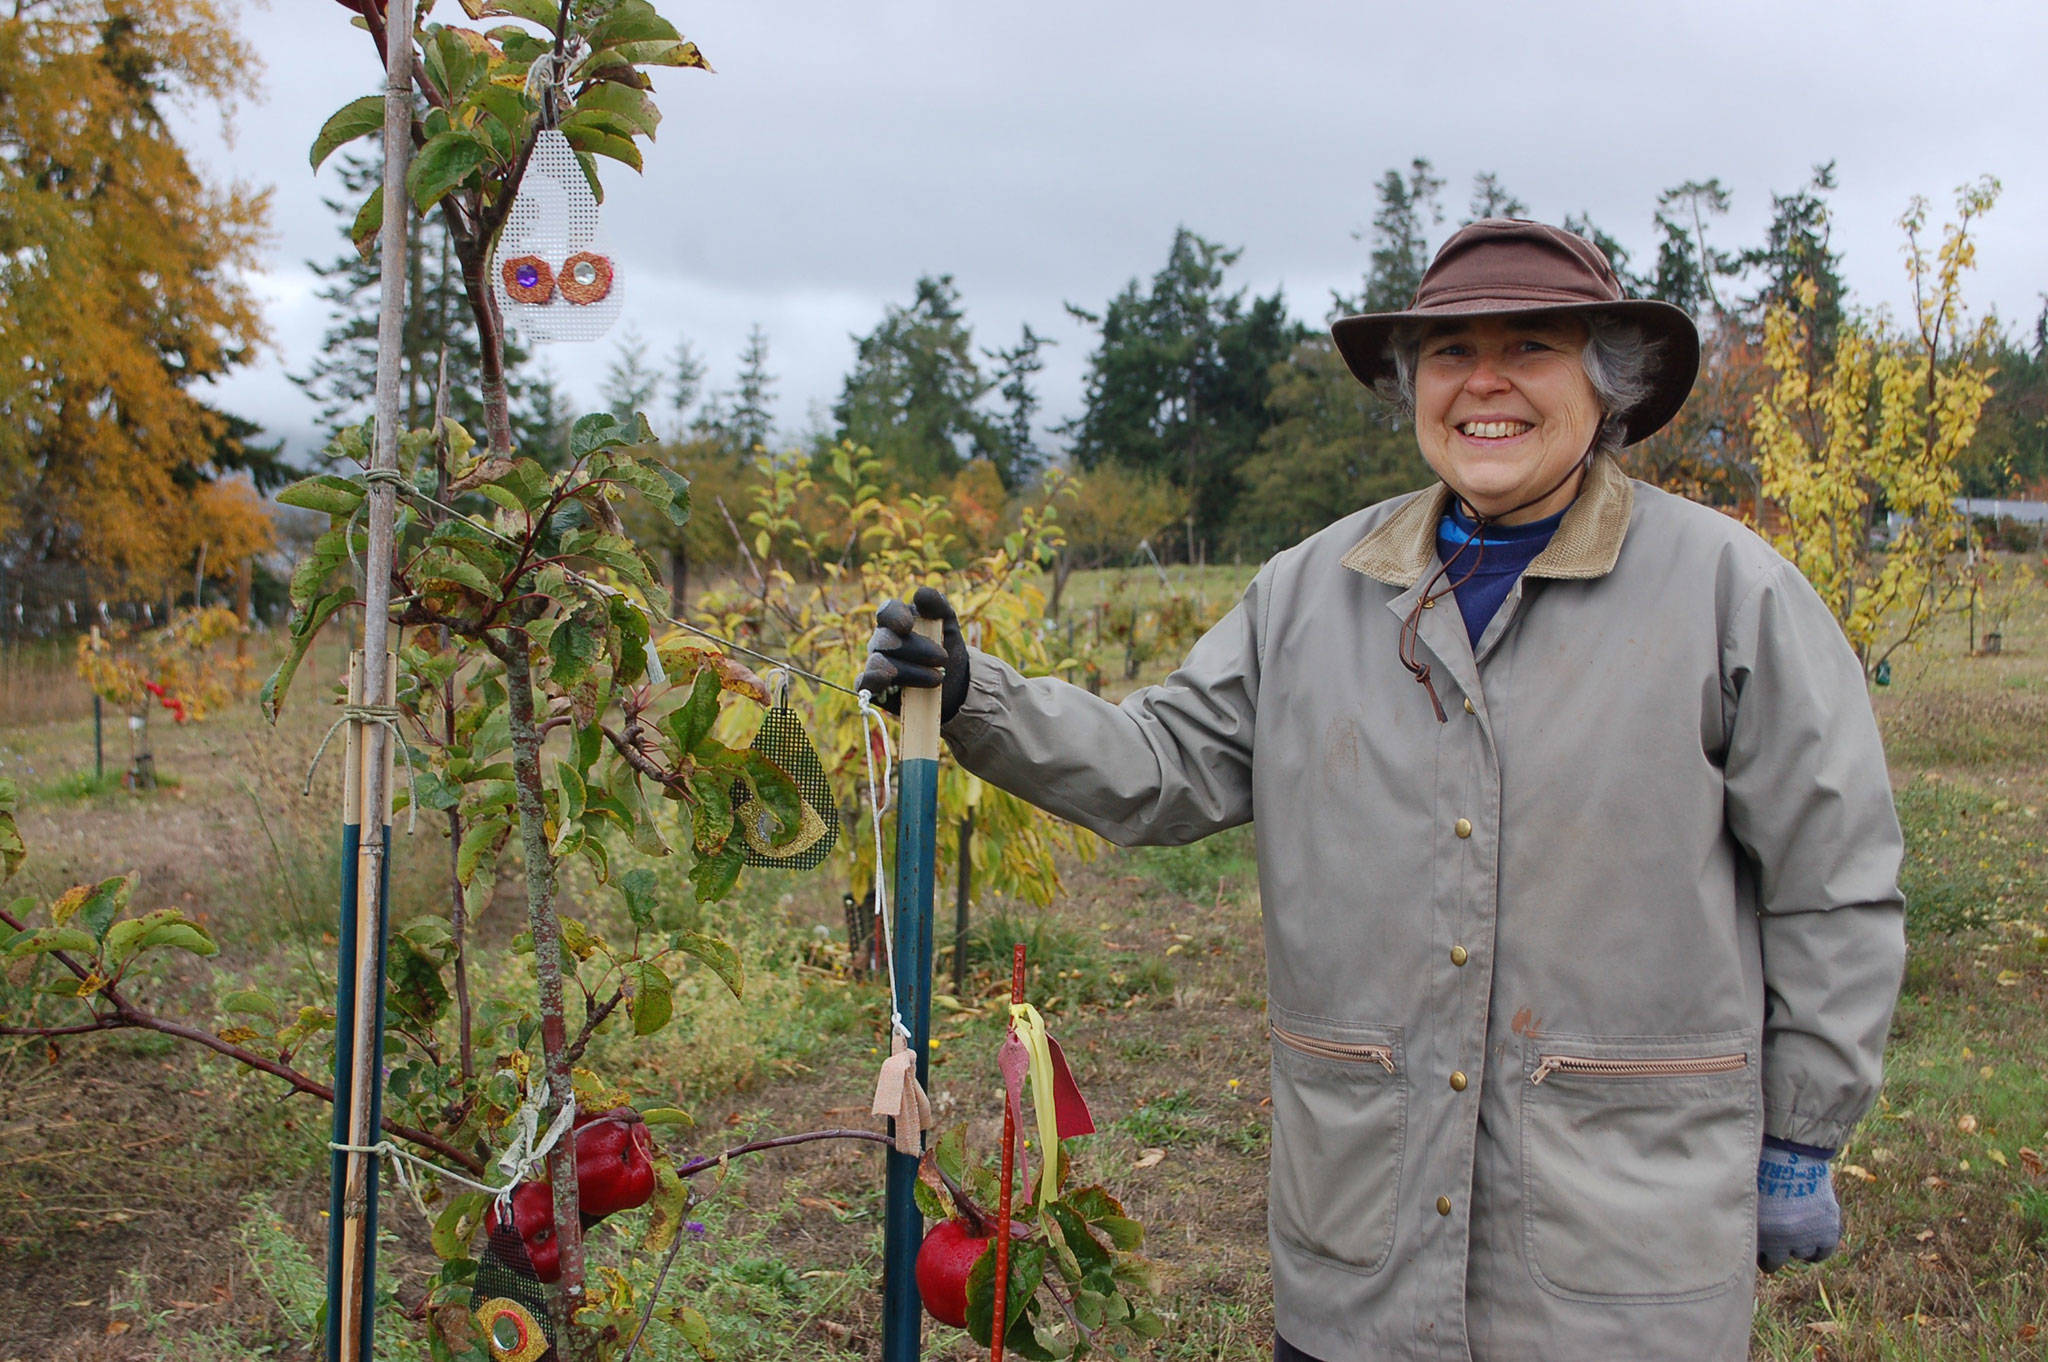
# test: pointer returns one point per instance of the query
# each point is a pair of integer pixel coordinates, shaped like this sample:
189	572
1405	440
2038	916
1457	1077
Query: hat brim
1363	341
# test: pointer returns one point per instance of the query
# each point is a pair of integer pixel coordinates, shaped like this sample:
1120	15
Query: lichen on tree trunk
547	960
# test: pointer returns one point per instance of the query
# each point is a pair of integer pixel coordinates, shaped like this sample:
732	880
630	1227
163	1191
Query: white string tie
524	1153
871	718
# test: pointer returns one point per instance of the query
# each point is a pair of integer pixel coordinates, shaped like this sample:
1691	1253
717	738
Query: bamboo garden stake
352	1278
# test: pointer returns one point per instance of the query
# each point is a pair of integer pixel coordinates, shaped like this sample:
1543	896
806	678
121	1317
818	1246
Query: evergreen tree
1178	382
1491	200
1687	265
747	419
630	383
913	396
1632	284
1333	447
1409	207
1019	456
342	377
685	381
1796	246
540	427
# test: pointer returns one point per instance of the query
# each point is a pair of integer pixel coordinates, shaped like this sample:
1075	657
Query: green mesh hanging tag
783	741
509	1303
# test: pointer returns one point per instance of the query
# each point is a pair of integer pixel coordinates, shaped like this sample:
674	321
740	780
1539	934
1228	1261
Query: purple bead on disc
528	276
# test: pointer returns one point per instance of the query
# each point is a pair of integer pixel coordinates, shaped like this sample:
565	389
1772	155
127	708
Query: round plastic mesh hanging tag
783	741
556	280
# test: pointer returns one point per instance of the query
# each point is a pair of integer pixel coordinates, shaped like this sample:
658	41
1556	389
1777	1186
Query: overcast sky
1044	153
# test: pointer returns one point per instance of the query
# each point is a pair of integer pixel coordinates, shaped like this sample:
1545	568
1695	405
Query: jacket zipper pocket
1637	1068
1343	1051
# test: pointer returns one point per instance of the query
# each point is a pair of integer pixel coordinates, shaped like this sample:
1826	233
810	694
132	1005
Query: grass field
154	1205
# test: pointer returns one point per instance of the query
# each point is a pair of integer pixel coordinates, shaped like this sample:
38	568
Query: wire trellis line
407	489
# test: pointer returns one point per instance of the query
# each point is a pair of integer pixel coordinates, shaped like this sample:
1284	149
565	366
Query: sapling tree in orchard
1876	424
551	719
176	669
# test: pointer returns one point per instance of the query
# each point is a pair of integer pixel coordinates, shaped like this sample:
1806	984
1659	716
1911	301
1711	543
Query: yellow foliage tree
1877	427
814	603
119	285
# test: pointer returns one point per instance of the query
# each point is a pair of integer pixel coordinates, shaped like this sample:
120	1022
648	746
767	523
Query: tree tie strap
387	716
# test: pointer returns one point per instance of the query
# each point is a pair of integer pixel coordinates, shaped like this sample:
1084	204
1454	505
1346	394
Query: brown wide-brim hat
1499	266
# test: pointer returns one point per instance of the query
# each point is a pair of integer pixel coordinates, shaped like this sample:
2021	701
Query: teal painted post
917	835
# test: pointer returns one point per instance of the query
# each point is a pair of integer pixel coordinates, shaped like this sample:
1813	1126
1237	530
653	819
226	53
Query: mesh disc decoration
509	1303
783	741
555	279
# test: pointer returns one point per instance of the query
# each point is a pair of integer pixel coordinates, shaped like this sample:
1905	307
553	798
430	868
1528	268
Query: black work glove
898	656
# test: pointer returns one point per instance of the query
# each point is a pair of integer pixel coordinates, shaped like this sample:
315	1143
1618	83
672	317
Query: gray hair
1618	358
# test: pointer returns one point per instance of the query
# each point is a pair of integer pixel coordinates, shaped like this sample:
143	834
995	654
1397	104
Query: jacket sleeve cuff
1803	1132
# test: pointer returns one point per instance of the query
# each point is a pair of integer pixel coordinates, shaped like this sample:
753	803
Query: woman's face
1503	409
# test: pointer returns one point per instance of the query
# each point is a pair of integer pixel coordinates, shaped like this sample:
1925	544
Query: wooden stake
364	1083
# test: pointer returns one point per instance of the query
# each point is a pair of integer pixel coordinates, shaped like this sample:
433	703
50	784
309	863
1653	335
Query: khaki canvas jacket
1542	976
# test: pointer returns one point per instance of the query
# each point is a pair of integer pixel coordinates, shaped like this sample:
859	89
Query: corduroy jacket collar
1587	543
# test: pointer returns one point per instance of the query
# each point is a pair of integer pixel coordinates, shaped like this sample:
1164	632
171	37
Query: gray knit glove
1797	1215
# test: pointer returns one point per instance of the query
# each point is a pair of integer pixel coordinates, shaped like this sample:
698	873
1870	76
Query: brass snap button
1468	706
1463	827
1457	1080
1459	955
1443	1205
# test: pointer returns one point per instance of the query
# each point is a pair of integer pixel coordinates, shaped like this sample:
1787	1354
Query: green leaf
639	887
43	940
305	628
443	164
930	1204
776	791
357	118
13	851
631	21
667	1116
368	223
164	927
670	1201
690	722
602	430
413	986
574	793
451	62
634	107
691	1324
446	566
653	1000
504	106
572	648
327	492
951	1153
1093	1258
252	1002
458	1223
714	876
543	12
480	841
96	905
597	141
1125	1234
1027	1269
723	959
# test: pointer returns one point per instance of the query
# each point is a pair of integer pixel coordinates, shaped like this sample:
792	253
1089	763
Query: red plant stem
1001	1320
709	1161
128	1015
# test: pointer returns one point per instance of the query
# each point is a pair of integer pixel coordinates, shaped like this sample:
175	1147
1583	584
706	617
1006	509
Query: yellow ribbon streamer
1030	1028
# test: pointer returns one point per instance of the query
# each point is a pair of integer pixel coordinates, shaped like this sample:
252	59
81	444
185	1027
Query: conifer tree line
1217	422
